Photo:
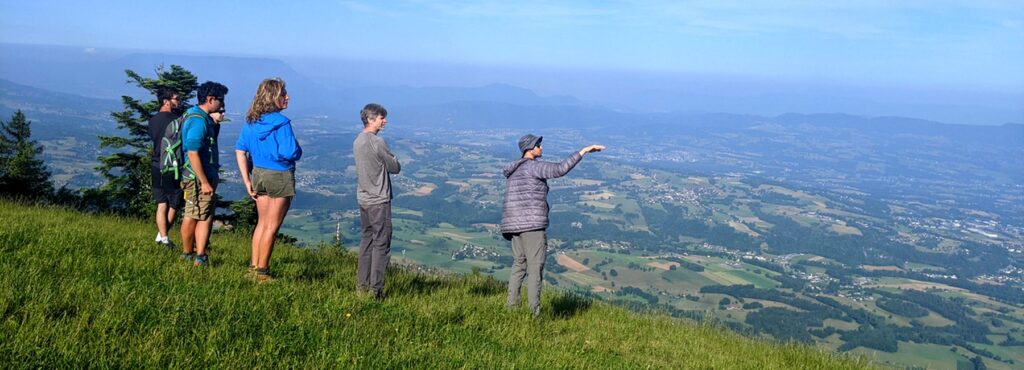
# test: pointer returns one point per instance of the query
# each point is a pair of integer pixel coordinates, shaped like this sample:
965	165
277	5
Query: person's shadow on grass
566	305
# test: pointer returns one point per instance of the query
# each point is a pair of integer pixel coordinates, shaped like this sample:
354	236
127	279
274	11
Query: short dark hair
164	93
210	88
372	110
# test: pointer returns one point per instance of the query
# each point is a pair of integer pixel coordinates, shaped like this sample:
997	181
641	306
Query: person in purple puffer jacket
524	220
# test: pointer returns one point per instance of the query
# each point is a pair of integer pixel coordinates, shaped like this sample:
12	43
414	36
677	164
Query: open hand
592	148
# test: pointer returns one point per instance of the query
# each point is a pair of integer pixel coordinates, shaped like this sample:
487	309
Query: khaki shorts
197	206
275	184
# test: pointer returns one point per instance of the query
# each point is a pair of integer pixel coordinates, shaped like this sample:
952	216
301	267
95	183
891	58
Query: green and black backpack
172	158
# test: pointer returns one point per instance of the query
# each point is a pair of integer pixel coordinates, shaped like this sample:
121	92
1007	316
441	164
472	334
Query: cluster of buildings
1009	275
601	244
470	251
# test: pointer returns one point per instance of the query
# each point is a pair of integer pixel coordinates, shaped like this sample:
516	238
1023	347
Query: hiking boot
263	276
200	260
362	291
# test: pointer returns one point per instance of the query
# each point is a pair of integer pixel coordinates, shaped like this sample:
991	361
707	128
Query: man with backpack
200	175
166	187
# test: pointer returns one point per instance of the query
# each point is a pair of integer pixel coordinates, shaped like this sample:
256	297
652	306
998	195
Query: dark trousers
375	246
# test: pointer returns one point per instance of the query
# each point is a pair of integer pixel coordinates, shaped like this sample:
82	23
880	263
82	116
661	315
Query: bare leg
170	219
188	234
161	218
202	235
277	208
262	210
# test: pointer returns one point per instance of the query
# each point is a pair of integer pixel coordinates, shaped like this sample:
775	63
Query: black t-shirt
157	126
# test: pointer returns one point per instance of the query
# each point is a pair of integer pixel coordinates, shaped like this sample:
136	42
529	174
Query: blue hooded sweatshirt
270	142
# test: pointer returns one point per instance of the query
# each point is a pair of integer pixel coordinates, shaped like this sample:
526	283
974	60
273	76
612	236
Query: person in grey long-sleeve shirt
524	219
374	166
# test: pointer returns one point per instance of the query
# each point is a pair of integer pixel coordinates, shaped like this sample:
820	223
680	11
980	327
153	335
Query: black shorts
166	189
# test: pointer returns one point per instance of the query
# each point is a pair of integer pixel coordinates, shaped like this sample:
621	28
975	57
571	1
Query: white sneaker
159	238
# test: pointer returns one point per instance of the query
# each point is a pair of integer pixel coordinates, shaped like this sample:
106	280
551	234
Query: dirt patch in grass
456	236
424	190
570	263
462	185
587	182
599	289
743	228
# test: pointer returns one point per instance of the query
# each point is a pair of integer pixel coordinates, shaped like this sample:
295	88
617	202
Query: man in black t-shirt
166	189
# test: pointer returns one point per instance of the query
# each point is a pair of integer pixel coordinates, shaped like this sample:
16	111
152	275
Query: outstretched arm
549	170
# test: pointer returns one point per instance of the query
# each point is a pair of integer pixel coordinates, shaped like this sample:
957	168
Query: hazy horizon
620	90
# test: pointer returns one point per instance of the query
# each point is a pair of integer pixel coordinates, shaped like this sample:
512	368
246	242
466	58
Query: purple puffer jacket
526	196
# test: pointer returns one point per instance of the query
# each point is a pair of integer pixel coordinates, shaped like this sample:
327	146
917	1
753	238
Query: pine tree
127	170
22	173
243	215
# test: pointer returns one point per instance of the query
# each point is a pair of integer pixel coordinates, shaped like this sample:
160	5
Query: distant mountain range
342	87
91	74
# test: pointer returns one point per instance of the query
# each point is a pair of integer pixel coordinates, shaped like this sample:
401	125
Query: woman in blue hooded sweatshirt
267	147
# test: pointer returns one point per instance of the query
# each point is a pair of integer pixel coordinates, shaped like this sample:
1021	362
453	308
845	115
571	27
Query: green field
929	356
93	291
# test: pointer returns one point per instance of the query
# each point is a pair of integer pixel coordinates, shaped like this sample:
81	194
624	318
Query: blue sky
971	44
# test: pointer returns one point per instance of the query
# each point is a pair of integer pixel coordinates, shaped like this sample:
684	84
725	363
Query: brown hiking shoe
263	275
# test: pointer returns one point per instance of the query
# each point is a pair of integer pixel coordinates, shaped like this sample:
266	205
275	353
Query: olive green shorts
197	206
276	184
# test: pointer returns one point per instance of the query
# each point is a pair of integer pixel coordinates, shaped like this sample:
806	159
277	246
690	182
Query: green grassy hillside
85	291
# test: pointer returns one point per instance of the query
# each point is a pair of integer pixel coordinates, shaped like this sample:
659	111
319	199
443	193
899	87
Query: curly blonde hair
268	94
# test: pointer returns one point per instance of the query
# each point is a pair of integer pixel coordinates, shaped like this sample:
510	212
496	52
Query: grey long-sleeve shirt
374	166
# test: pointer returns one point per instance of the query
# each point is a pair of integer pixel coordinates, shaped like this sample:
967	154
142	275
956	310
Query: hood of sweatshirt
512	167
268	123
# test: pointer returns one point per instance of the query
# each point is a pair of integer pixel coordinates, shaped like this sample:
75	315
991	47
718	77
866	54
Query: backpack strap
186	117
181	141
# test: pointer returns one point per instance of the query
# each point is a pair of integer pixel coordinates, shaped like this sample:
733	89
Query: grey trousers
375	247
528	252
